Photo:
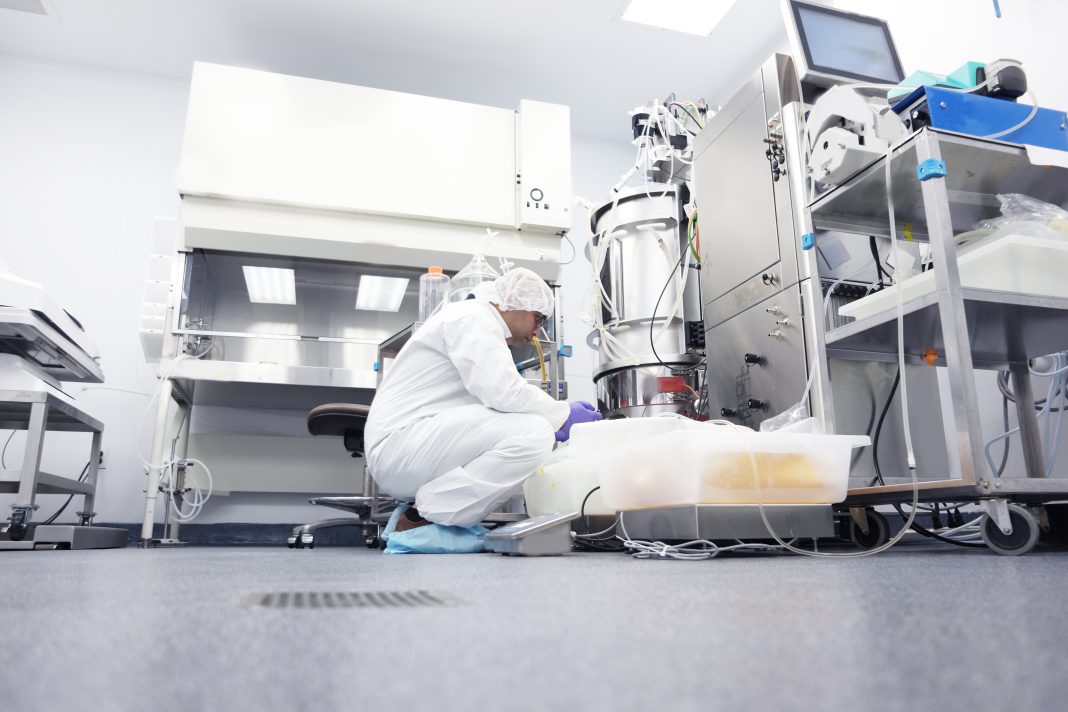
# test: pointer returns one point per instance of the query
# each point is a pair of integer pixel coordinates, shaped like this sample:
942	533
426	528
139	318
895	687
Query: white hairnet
518	290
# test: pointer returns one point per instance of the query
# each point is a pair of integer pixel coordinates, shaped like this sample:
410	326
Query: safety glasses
540	320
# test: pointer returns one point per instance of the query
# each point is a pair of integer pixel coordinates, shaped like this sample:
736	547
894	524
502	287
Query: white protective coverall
453	425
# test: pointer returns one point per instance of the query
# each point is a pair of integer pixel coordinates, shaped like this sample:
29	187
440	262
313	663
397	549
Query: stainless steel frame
38	412
758	288
965	328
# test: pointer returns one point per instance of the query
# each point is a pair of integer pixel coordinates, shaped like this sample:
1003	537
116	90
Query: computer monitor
836	47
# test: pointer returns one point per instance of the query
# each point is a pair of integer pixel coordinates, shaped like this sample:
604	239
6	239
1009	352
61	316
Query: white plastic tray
1014	263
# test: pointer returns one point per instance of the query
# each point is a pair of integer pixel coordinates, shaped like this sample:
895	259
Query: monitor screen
850	46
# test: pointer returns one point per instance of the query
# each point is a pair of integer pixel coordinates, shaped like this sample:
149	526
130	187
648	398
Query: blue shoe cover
438	539
391	525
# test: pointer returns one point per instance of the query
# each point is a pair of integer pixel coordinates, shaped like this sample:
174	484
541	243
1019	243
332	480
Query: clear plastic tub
561	486
716	465
569	474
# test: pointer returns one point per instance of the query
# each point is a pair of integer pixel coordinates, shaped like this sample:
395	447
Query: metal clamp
931	168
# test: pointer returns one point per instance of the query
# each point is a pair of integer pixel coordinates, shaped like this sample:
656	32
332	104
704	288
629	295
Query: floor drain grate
352	599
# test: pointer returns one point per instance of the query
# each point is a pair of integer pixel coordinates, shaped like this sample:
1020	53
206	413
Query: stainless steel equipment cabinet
961	328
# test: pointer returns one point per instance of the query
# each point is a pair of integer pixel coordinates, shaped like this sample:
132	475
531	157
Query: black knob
727	412
755	404
753	359
768	278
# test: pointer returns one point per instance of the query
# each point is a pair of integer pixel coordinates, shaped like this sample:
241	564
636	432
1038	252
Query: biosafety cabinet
334	198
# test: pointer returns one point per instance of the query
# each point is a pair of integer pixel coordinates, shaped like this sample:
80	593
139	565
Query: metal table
961	328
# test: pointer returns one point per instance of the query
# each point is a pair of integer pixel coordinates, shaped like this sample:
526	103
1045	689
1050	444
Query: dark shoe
410	519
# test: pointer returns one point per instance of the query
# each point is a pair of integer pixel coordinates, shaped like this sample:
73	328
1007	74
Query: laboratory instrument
829	176
42	345
541	535
644	304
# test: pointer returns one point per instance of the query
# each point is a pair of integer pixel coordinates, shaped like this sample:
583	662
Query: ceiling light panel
693	17
381	293
270	285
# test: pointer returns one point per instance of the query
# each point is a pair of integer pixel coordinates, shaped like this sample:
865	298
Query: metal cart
38	412
943	183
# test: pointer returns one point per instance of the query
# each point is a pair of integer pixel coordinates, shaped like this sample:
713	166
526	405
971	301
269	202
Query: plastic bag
1020	215
1016	207
793	420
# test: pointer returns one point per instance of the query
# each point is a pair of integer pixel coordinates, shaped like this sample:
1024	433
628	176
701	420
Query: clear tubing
911	455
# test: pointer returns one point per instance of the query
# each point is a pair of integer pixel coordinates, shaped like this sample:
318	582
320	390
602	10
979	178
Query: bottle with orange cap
434	290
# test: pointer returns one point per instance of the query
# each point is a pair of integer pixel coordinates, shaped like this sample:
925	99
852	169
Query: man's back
424	380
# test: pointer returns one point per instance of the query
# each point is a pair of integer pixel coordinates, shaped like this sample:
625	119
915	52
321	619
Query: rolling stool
372	511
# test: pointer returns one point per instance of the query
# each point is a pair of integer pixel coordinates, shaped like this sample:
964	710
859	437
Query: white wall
89	159
941	35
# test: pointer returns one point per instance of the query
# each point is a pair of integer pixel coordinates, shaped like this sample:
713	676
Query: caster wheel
1024	533
16	531
373	542
878	531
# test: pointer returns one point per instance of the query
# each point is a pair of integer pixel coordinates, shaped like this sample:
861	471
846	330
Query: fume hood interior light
270	285
381	293
694	17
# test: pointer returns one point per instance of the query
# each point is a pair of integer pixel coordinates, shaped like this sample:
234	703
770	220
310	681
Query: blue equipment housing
982	116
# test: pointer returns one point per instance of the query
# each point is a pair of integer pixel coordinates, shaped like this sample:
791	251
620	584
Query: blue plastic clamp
376	366
931	168
808	241
564	350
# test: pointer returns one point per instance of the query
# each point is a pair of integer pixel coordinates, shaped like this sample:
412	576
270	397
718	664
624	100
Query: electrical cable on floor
695	550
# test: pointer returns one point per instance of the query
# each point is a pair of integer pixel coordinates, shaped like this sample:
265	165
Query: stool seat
344	419
337	418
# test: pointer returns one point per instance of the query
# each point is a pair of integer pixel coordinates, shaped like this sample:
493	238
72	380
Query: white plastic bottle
434	290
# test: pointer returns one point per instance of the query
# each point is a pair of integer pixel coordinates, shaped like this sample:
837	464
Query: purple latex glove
581	412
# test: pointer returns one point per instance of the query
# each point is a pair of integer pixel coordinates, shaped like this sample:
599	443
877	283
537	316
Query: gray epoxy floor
916	627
